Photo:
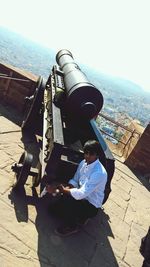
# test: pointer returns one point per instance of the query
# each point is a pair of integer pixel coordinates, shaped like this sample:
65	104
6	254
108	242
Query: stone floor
27	236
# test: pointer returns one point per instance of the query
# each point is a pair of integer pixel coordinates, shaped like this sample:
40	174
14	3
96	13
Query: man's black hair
93	147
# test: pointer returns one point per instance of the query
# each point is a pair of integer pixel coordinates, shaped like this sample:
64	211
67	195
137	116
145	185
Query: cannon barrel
84	100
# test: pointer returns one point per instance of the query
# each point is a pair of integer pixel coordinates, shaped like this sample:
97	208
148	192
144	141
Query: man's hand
52	189
69	186
63	189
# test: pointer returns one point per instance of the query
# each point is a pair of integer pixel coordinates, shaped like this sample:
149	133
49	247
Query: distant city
124	100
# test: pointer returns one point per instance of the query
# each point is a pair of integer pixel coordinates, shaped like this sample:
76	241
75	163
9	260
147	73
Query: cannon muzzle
84	100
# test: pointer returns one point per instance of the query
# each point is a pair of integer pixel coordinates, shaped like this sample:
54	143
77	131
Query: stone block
125	185
6	181
114	209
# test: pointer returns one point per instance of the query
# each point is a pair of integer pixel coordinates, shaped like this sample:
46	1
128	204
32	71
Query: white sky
112	36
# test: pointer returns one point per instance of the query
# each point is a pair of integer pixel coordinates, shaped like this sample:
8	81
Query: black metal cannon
83	98
63	110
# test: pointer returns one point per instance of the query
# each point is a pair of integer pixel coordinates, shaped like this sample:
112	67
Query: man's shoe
66	230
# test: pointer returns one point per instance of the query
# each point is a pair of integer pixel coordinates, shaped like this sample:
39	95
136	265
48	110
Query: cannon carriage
63	110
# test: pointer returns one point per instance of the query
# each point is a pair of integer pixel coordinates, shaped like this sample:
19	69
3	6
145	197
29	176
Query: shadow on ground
136	176
29	140
89	247
133	174
11	114
144	179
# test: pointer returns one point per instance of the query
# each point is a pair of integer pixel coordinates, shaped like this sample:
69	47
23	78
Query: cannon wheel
25	162
32	112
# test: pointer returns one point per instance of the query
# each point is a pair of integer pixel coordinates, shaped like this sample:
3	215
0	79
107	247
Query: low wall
12	91
130	139
139	158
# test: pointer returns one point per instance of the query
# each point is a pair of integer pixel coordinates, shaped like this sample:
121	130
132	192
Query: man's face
90	157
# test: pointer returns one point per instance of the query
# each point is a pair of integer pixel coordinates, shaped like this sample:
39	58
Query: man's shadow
90	246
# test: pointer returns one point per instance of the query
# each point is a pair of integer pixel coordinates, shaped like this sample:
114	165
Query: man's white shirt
89	182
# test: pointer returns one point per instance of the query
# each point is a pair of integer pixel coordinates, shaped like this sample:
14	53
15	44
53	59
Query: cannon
83	98
63	110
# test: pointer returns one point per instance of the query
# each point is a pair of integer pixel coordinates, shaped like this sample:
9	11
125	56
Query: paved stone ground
27	236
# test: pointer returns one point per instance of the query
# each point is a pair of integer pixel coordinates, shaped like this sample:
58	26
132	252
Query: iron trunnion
63	110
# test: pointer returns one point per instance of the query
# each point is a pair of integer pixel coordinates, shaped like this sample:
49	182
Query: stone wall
139	158
130	139
14	91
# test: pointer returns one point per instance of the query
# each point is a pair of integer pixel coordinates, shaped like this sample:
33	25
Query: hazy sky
112	36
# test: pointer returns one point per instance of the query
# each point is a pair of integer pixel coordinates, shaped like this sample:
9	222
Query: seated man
84	194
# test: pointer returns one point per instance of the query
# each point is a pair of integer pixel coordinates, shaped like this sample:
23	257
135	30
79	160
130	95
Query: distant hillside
120	95
113	83
25	54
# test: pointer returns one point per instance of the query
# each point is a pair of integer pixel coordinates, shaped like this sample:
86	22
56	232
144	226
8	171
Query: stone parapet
129	139
14	91
139	158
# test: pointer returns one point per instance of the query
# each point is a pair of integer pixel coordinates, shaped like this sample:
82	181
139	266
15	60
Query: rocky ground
27	236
